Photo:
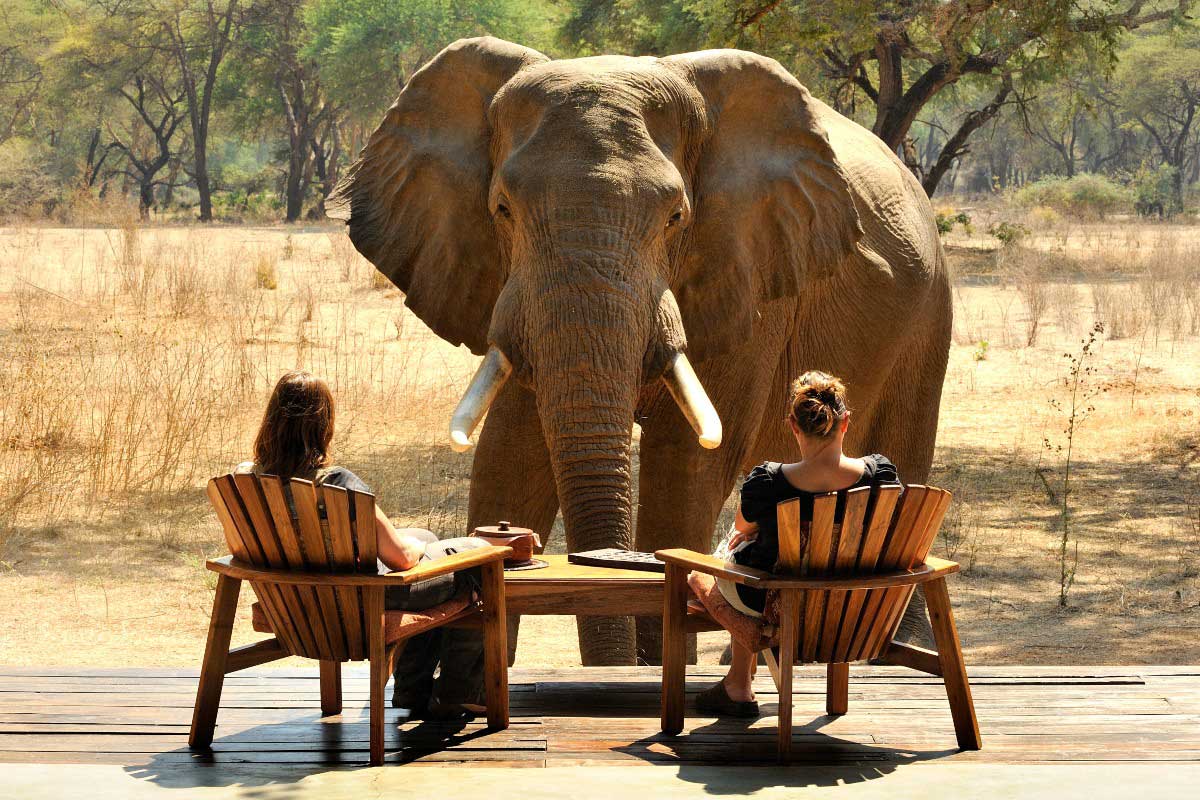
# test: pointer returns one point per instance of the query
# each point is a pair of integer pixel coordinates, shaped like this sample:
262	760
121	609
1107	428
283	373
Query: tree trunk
1177	189
294	193
202	183
145	197
956	145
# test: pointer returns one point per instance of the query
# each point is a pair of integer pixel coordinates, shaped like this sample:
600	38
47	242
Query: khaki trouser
458	651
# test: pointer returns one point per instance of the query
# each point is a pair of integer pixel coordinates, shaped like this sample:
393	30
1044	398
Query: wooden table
579	590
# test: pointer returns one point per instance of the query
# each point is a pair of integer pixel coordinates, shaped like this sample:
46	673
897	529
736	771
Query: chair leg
772	661
495	646
331	688
789	619
674	655
837	689
954	671
373	609
216	658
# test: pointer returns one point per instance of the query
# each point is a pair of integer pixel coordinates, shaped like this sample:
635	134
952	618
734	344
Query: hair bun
818	402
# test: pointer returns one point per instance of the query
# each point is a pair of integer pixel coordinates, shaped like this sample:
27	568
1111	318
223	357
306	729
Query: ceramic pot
523	541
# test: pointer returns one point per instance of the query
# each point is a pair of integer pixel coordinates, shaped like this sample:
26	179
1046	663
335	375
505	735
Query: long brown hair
818	403
297	427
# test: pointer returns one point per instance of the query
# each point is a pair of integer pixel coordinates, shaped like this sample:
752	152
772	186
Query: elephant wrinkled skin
591	219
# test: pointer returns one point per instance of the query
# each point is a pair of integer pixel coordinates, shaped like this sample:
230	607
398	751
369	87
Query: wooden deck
138	719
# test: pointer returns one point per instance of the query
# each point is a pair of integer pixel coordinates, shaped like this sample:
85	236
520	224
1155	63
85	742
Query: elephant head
586	222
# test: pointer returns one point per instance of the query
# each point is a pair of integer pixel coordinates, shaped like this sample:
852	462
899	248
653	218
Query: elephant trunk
588	428
586	379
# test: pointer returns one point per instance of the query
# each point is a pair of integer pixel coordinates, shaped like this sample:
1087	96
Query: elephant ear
774	209
416	199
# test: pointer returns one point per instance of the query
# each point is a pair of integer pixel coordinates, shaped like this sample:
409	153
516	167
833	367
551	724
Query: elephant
660	242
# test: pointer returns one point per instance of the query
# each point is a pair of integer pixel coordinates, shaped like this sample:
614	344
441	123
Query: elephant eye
502	211
675	218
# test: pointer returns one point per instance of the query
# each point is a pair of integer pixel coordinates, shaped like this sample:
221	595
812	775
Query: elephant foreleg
902	424
511	478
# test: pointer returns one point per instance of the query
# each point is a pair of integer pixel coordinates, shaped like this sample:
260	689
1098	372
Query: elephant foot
606	641
915	628
514	628
649	642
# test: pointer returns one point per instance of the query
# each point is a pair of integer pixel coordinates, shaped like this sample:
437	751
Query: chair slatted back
266	530
883	529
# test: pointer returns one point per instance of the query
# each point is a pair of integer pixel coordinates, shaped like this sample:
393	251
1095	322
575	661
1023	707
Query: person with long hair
295	441
818	418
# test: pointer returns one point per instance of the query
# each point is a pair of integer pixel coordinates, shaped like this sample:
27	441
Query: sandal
715	700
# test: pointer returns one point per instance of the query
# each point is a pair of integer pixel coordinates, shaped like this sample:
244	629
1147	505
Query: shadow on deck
270	730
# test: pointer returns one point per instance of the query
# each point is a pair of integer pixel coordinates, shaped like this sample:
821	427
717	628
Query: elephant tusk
693	401
484	387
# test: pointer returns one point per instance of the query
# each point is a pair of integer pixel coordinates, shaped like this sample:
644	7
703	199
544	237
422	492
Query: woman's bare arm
746	531
398	551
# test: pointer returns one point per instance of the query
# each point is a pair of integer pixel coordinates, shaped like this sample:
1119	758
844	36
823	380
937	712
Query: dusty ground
136	362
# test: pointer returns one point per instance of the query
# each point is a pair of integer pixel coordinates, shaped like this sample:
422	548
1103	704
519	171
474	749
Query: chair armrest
459	561
932	569
941	566
228	565
712	565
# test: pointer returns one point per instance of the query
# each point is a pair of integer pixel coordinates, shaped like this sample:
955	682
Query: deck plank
609	716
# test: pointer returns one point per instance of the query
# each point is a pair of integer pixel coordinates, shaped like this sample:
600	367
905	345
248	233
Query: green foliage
946	221
1153	187
1085	195
27	189
1008	232
305	81
981	351
368	49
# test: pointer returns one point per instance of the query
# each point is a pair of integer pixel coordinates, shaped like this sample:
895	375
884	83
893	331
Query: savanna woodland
165	255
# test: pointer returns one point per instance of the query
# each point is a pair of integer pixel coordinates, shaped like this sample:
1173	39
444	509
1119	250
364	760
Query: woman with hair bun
819	418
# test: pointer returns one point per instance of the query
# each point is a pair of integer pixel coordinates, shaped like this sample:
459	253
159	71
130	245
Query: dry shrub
152	426
136	274
345	258
266	272
1168	286
1163	301
1118	309
1033	293
186	292
1044	217
40	411
378	281
129	386
1063	301
310	303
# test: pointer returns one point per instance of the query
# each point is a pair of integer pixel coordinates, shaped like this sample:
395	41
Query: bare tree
159	109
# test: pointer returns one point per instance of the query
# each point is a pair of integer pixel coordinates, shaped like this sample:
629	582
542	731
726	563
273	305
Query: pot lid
504	528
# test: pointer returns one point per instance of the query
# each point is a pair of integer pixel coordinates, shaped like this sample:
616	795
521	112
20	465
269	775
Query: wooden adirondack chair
842	591
321	592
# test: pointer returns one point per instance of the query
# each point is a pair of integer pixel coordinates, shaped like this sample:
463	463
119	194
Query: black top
766	487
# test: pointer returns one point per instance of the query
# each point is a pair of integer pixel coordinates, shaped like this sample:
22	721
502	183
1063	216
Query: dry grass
136	361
